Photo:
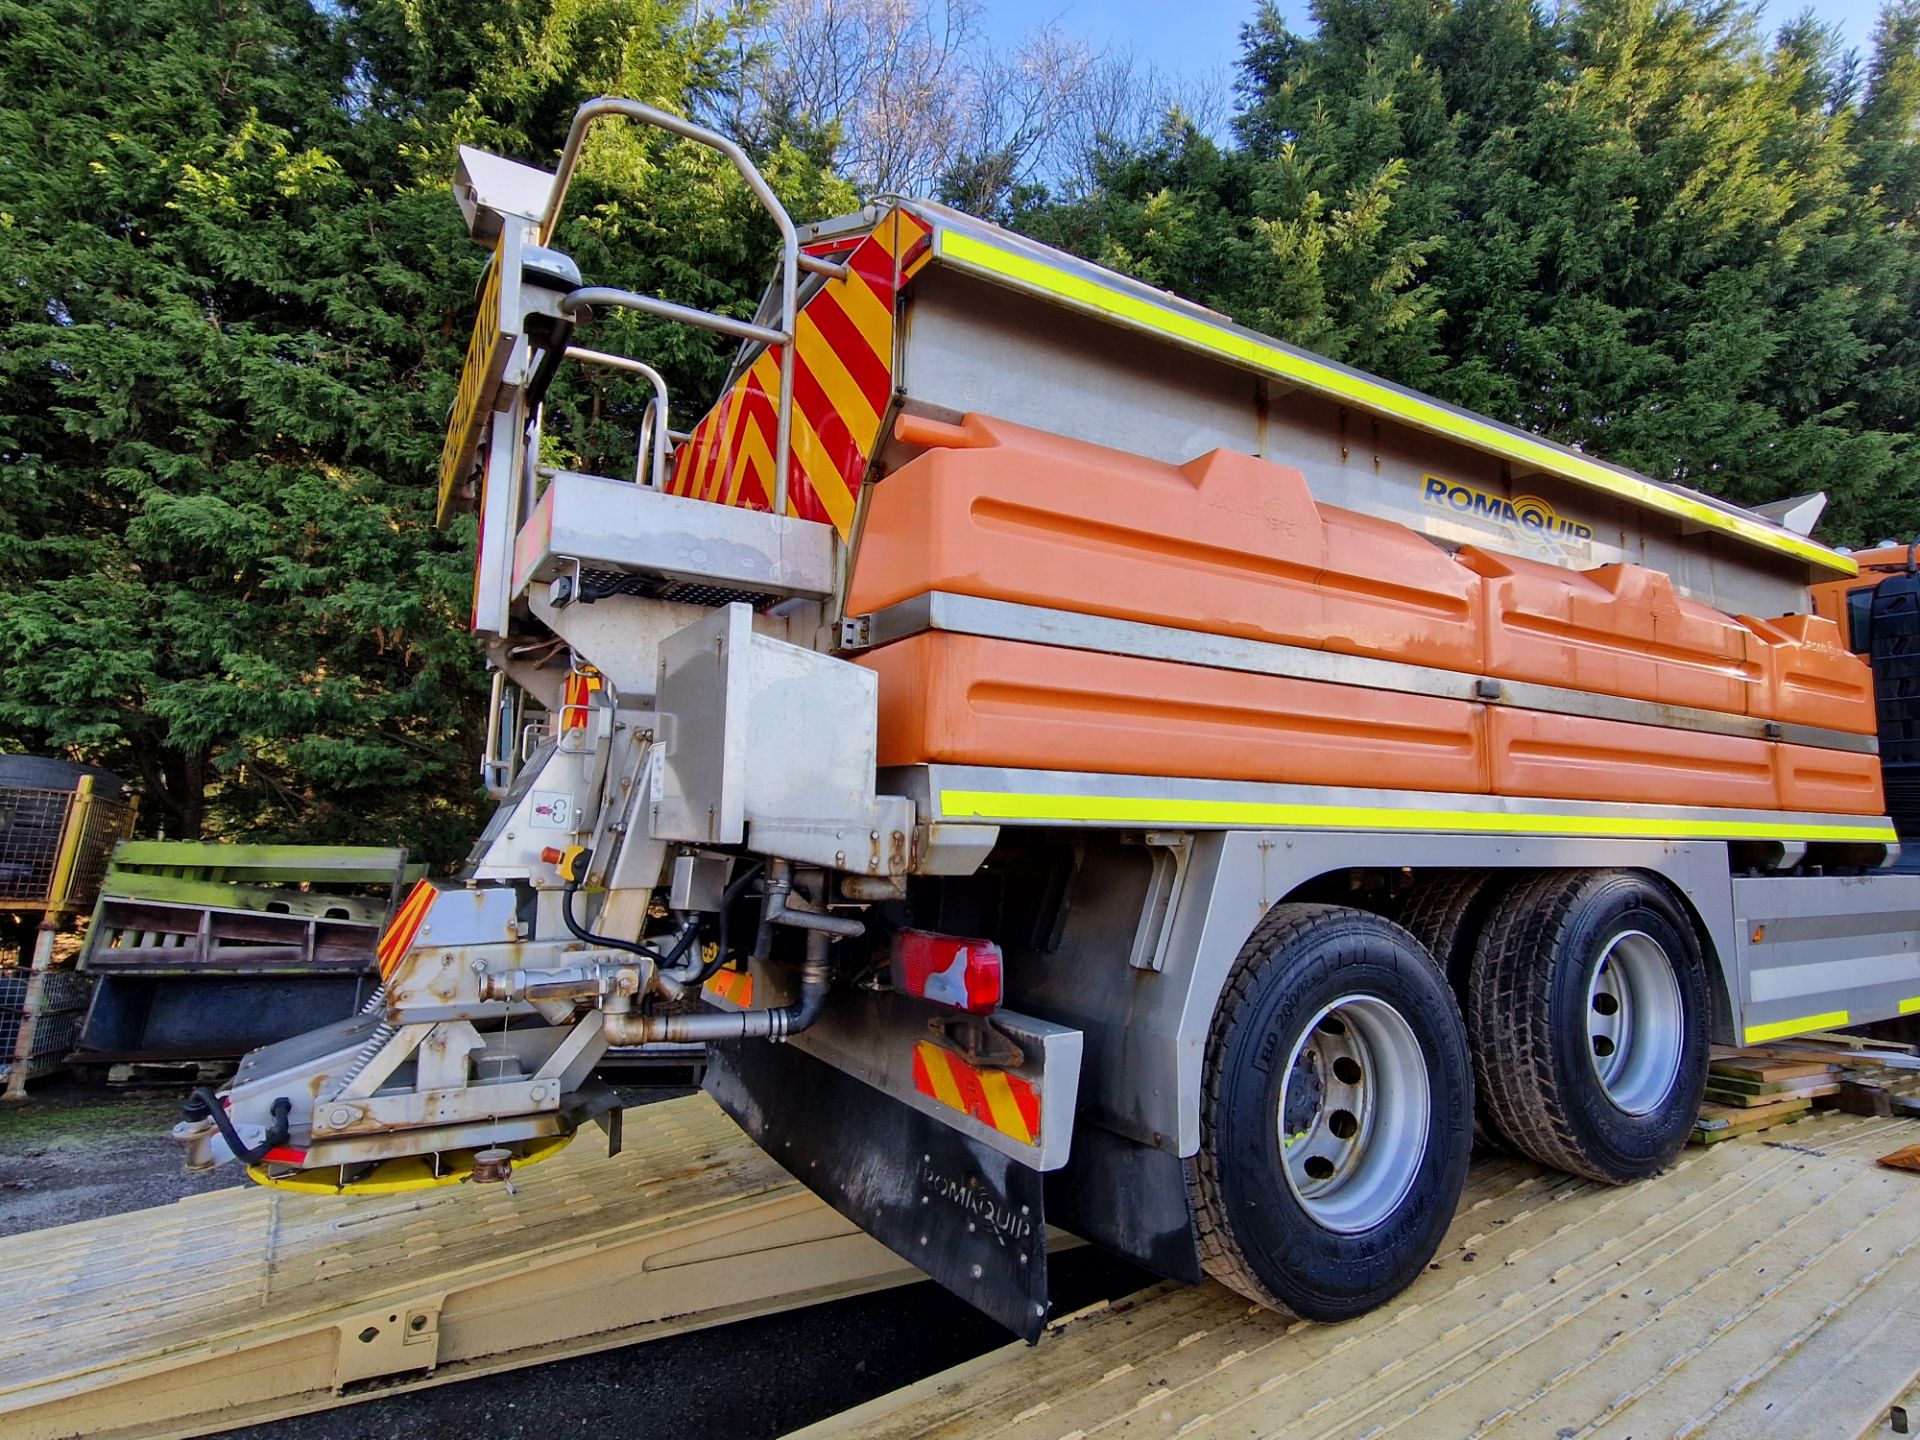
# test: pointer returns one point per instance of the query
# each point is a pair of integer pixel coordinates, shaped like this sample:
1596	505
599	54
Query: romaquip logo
1529	519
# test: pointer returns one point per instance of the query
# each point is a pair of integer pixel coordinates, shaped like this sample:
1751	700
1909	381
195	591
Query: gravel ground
78	1151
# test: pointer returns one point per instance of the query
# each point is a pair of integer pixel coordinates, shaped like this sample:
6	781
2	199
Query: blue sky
1199	37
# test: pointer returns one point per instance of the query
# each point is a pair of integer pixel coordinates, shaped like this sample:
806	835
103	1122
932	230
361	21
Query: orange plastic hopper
973	701
1228	544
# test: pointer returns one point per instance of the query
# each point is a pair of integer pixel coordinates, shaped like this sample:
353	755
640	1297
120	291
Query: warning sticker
552	810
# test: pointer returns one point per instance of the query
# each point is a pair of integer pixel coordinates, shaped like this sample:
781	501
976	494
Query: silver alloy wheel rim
1636	1024
1355	1105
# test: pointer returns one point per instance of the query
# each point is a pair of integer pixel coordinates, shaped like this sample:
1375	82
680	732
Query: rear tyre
1445	913
1587	1009
1336	1121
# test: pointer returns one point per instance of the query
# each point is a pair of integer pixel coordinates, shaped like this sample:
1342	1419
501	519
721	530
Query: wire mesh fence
58	1016
55	846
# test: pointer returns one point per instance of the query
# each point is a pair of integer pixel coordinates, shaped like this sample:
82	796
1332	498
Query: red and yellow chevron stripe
734	986
842	386
573	697
996	1099
398	938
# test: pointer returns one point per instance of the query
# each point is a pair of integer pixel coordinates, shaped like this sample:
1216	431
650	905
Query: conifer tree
237	293
1638	226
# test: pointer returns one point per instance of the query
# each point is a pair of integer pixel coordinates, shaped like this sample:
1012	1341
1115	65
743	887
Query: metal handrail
588	296
653	424
791	260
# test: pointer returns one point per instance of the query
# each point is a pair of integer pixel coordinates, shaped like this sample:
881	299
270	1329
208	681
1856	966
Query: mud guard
969	1217
1128	1198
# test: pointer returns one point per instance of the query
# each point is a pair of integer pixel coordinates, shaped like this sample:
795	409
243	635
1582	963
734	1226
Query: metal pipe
607	105
496	715
782	911
872	889
789	322
570	982
653	437
816	974
590	295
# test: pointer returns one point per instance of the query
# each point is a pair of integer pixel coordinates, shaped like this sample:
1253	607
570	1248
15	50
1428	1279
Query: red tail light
948	970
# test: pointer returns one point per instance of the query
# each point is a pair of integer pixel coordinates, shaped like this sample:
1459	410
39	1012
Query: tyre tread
1440	910
1509	1018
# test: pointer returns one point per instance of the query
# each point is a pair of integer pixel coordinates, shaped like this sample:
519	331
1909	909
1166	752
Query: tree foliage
237	300
236	294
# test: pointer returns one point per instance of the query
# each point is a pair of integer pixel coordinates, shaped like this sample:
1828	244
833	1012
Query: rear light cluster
951	970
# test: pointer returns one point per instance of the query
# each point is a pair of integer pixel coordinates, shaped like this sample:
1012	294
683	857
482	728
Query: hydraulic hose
733	893
607	942
277	1132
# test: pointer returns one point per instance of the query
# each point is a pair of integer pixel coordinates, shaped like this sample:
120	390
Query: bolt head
339	1115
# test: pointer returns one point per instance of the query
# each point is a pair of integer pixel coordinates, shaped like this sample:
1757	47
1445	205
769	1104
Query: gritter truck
1074	762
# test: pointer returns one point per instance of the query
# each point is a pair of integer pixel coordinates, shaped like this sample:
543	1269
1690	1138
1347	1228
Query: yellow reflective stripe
1372	394
1780	1029
1007	1118
900	235
829	486
1910	1007
830	374
756	458
1143	810
729	457
945	1089
871	318
887	234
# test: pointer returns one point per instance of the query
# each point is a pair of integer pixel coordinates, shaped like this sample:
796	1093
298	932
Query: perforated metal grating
656	587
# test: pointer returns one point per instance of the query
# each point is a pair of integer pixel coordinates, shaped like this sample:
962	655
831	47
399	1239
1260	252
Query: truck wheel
1445	913
1336	1121
1587	1009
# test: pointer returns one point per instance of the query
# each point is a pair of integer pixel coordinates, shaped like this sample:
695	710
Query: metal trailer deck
252	1304
1762	1287
1767	1287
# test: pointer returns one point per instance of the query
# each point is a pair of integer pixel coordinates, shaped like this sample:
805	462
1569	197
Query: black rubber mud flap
968	1216
1127	1198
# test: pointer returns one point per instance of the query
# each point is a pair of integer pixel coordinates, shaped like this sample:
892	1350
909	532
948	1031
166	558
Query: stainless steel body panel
771	745
593	523
1817	951
968	345
1146	1032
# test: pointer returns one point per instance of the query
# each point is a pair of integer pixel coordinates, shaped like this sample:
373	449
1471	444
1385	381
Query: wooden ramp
1768	1287
249	1304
